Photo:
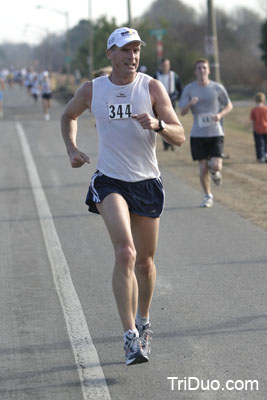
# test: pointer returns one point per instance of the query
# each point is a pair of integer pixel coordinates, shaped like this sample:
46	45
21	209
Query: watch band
161	126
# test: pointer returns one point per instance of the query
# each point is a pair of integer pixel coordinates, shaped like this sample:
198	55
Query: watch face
161	126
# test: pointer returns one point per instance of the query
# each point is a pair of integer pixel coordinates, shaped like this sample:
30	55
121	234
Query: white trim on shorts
159	179
96	198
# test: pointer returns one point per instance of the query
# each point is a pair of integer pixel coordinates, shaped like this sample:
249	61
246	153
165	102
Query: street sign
157	32
67	59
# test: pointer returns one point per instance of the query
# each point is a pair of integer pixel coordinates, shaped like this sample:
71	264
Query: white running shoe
134	353
207	202
216	177
47	117
145	335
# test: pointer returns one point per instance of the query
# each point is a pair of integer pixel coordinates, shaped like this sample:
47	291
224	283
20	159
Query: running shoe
207	202
216	177
134	353
145	335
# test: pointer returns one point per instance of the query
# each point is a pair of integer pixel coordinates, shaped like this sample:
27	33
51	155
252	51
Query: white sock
141	321
209	195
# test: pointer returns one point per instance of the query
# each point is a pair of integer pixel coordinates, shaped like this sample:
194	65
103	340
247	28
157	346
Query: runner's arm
186	109
75	107
173	133
228	108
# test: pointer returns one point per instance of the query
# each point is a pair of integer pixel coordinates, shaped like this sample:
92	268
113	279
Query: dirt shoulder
244	187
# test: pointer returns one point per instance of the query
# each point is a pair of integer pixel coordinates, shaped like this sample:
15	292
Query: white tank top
46	86
126	151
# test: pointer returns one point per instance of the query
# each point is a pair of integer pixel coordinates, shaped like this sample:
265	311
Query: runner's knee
216	164
145	266
203	169
125	257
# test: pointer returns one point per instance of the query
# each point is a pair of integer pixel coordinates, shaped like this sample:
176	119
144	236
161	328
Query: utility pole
211	44
129	14
91	41
68	51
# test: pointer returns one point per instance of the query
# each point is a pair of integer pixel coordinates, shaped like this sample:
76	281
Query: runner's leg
115	213
204	176
145	233
216	164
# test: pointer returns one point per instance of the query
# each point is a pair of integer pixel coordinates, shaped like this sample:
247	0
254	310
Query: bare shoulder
80	101
155	86
157	90
158	93
85	91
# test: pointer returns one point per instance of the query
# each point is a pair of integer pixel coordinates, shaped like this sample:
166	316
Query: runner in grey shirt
209	103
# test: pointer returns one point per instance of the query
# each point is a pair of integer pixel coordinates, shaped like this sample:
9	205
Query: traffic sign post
159	33
159	49
211	44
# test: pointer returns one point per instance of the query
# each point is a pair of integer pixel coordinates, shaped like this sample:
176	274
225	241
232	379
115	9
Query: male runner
209	103
130	108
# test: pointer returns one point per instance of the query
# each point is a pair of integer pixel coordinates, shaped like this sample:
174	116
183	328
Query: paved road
60	333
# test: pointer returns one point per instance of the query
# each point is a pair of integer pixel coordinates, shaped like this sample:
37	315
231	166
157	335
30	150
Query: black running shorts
47	96
145	198
205	148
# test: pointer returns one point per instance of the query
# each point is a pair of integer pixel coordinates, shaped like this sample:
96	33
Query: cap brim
132	41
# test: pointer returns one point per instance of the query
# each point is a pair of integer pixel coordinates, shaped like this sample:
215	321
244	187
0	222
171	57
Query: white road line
91	375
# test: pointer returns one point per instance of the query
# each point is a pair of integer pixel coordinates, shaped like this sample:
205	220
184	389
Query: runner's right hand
78	158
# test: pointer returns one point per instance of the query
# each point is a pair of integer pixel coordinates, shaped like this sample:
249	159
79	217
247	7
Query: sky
23	21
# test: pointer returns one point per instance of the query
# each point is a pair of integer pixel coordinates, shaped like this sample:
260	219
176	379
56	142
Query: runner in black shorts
209	103
130	109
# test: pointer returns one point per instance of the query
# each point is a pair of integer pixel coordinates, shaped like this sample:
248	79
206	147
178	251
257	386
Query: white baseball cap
121	36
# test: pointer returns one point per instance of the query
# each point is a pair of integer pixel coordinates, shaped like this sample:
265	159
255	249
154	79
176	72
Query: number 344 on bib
120	111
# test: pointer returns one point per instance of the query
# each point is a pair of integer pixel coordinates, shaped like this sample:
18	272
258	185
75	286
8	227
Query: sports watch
161	126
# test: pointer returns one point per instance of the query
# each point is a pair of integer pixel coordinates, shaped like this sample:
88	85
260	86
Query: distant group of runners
37	84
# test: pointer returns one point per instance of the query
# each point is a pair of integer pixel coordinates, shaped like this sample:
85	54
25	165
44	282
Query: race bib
205	120
120	111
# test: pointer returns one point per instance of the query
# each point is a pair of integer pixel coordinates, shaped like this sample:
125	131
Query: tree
183	41
16	55
239	34
102	29
242	38
78	35
3	58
